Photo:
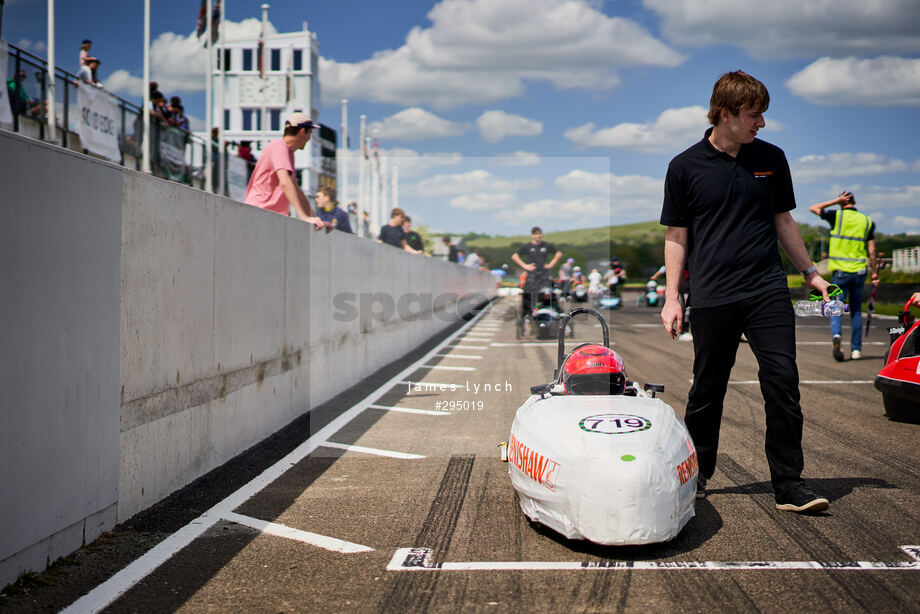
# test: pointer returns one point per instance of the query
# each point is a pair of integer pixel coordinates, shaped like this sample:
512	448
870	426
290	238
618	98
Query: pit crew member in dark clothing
537	252
726	203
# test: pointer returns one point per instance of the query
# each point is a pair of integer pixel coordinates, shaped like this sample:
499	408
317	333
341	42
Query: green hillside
640	247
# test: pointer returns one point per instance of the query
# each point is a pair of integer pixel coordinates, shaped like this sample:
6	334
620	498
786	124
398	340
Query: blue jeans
852	286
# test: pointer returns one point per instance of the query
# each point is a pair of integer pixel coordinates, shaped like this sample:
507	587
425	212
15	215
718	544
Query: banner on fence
98	121
172	154
6	115
237	178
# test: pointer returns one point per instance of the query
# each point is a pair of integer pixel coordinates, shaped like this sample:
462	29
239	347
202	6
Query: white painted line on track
501	344
419	559
314	539
461	356
107	592
447	368
374	451
806	381
469	347
409	410
830	342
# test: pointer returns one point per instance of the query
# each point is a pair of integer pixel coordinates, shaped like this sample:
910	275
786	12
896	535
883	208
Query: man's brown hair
397	212
734	91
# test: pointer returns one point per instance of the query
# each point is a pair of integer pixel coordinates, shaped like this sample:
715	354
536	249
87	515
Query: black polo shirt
538	254
729	206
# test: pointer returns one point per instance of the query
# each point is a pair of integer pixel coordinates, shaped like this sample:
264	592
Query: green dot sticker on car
628	458
615	424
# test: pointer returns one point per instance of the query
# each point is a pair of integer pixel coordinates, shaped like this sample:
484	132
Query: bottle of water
820	308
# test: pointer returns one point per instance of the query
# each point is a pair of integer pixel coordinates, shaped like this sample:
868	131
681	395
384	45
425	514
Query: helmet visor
596	384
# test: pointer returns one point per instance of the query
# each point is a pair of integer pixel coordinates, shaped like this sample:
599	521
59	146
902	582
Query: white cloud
885	81
520	158
793	28
124	82
478	51
178	63
412	163
416	124
483	201
905	222
33	46
590	210
673	130
821	167
622	188
879	197
496	125
477	181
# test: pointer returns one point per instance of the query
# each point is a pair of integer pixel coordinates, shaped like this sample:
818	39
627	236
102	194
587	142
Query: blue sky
506	113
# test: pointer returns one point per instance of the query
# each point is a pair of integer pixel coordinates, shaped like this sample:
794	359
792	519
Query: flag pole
51	115
145	137
395	181
362	172
264	75
222	172
209	111
342	171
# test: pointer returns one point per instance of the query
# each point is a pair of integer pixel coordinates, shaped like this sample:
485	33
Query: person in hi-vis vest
851	249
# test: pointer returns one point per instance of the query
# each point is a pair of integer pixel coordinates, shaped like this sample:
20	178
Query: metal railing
33	113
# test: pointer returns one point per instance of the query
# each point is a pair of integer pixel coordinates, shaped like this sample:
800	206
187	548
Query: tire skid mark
414	592
865	450
859	588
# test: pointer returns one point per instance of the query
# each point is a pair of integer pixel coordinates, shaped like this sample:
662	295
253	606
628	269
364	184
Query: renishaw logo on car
687	469
533	464
614	424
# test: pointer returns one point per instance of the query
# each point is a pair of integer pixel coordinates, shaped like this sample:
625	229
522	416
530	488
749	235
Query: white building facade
251	105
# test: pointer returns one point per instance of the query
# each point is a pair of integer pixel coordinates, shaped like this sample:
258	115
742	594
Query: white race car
593	456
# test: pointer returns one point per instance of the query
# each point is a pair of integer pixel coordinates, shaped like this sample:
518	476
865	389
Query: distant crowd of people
272	186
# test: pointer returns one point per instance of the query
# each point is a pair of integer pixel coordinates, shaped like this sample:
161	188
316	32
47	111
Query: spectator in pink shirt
272	184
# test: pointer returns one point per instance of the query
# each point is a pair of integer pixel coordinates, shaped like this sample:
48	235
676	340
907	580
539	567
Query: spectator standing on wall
272	184
328	210
20	102
413	239
453	254
852	244
366	223
88	72
472	260
392	232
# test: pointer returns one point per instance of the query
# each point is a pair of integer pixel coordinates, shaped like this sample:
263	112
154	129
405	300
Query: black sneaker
838	355
801	499
700	487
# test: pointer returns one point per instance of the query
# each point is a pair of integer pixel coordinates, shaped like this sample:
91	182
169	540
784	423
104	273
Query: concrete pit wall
152	331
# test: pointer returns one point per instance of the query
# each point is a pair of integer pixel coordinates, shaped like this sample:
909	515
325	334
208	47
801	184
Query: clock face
256	92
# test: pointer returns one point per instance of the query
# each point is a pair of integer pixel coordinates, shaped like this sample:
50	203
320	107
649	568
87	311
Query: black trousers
769	323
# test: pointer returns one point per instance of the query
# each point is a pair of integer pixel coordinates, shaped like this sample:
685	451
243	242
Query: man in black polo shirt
726	203
538	269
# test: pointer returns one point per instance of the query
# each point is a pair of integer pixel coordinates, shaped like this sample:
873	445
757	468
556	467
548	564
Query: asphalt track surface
327	531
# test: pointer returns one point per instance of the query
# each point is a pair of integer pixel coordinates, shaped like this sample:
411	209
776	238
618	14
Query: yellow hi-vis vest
848	252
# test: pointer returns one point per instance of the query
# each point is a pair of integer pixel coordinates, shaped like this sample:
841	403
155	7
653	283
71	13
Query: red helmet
593	369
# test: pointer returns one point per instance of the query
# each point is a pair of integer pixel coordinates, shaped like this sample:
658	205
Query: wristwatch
809	271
